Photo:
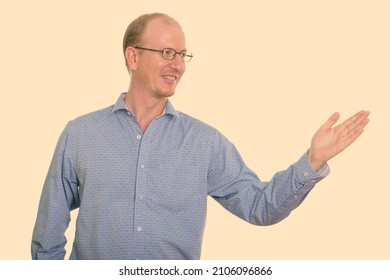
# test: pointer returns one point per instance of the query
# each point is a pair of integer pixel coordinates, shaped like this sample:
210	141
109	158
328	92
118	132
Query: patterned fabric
143	196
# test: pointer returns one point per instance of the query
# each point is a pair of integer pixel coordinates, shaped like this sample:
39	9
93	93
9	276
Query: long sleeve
240	191
59	196
155	185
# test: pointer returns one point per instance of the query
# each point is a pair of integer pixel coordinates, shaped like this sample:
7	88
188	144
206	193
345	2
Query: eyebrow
176	50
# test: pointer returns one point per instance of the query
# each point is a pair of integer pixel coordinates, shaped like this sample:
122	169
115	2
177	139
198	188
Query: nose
178	64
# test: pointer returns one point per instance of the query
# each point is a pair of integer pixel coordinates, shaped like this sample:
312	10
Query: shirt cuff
324	170
305	178
306	173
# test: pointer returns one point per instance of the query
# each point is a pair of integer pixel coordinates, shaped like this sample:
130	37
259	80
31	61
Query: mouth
170	77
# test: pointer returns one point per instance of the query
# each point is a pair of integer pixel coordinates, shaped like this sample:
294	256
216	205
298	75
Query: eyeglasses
170	54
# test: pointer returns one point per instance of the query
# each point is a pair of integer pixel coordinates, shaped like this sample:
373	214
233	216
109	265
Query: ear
131	58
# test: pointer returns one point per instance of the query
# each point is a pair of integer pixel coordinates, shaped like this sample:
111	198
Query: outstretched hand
329	141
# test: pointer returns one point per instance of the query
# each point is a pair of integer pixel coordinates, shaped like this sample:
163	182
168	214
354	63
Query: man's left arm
240	191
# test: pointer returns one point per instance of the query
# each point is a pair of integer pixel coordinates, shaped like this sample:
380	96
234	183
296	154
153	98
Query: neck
145	109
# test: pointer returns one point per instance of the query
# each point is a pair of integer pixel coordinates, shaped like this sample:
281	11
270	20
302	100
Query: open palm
329	141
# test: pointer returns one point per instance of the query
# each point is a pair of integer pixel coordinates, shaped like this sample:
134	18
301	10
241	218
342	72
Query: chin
166	93
169	94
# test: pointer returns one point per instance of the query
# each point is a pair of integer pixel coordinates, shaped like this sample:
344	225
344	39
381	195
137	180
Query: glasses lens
185	56
169	53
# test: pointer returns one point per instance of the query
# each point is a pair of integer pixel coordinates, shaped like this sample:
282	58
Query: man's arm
59	196
240	191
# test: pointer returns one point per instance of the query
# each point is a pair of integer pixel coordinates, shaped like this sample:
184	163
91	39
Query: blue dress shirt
143	195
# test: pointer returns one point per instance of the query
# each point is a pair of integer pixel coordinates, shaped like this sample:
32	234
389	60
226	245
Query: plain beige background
267	74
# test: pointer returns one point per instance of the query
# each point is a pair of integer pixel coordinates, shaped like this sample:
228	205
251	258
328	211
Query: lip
170	77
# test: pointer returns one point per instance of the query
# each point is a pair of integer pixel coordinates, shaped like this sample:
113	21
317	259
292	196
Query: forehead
164	32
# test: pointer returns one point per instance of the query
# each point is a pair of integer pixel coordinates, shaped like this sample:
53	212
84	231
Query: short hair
136	29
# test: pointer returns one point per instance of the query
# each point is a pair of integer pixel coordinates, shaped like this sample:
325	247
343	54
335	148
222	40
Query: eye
183	54
169	53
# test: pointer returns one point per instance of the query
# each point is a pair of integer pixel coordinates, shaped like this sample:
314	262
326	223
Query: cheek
182	71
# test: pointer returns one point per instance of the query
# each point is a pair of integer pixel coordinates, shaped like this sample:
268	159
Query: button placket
140	224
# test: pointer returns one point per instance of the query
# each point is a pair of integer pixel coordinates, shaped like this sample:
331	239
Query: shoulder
91	122
190	122
202	131
97	116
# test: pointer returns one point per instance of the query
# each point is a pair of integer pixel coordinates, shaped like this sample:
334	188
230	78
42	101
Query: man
140	171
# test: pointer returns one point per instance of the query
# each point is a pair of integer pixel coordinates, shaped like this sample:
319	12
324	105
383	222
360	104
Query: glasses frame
185	55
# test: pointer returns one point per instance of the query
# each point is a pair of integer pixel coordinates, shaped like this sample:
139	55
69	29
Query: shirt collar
120	105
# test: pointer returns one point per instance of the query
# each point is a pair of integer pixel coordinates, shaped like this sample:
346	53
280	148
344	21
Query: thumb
331	121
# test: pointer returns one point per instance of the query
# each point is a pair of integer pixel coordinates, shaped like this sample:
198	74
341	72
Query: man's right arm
59	196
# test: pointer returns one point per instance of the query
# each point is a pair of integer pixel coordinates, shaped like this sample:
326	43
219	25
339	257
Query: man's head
135	30
151	70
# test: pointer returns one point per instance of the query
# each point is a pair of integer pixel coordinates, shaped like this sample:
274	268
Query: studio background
267	74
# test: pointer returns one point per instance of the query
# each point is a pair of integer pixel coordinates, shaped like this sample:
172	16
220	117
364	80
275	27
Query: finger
331	121
348	140
350	136
357	126
354	120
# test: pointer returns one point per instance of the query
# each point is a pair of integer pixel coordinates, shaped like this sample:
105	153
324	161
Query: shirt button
295	196
139	137
313	181
140	197
139	228
306	174
142	166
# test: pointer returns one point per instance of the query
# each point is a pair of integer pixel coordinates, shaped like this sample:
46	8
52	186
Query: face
153	74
